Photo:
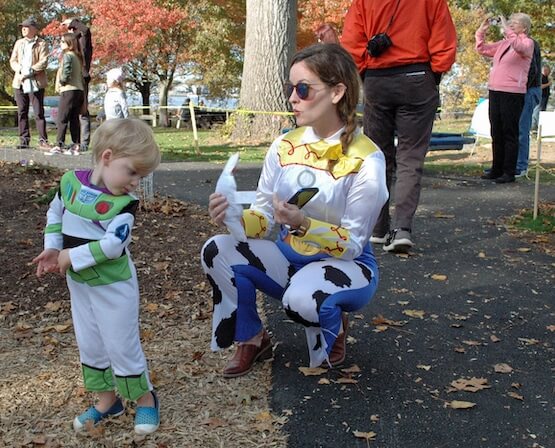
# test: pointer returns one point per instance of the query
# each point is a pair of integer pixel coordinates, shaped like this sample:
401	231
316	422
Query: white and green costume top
95	225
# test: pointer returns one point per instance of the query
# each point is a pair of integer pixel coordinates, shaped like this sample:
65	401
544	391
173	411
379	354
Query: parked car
51	104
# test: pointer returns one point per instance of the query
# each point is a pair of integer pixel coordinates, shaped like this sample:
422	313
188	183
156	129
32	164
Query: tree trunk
144	90
269	46
163	101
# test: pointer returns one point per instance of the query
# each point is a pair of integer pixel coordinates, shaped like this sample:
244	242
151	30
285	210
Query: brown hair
334	65
127	137
73	45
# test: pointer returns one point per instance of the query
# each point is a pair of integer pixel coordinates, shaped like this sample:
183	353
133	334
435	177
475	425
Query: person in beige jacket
29	60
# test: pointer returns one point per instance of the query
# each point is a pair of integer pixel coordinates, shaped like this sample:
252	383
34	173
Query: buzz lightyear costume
96	228
317	276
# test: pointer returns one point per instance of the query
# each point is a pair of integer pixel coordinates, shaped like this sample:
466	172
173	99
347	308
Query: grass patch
176	145
544	222
459	169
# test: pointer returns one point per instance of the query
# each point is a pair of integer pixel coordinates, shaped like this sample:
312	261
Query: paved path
493	306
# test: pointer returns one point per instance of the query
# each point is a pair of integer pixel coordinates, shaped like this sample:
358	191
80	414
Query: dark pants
84	116
23	100
68	114
504	115
405	103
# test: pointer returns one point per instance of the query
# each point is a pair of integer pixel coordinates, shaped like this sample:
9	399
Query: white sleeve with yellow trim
259	219
365	199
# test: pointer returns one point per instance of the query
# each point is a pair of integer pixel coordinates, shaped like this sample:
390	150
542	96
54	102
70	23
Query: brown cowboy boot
337	354
246	355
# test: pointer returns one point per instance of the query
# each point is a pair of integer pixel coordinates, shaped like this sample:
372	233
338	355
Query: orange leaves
123	31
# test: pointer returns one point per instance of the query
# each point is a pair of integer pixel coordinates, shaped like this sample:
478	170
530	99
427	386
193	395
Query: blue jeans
531	100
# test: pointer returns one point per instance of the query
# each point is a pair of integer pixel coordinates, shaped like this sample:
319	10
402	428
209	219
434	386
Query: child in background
69	83
115	101
88	231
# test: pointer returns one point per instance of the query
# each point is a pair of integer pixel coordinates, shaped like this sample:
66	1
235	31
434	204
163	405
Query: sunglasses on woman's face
302	88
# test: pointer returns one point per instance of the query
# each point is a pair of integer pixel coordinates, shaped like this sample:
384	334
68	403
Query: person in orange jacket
401	49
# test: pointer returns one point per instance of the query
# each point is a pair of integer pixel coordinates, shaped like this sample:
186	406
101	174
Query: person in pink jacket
507	87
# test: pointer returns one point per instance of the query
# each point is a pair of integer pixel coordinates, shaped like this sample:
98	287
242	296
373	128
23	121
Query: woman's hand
217	205
484	26
285	213
46	261
64	262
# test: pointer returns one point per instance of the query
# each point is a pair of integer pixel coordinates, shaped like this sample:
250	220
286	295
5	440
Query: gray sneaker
399	241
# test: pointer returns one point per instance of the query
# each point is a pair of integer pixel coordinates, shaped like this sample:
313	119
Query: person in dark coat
85	40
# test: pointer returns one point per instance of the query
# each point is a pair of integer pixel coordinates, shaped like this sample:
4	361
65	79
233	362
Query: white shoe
374	239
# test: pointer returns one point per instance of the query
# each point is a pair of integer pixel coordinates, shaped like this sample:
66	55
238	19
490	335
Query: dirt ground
40	387
40	380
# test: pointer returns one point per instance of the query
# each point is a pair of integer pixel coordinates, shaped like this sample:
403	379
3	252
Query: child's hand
64	262
47	261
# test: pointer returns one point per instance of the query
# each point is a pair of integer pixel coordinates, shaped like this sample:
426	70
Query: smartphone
301	197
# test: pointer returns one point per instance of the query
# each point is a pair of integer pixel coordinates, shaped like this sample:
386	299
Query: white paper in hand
234	213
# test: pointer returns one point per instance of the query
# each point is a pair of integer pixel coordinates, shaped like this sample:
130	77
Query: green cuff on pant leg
98	380
133	386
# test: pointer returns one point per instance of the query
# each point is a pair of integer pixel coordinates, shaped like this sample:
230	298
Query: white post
194	124
537	185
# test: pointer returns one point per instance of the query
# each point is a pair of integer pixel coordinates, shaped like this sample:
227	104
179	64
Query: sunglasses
302	88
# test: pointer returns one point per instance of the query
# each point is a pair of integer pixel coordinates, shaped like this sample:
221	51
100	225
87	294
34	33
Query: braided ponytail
349	133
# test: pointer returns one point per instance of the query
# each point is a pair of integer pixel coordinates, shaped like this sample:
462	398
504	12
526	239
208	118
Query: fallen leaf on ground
469	385
312	371
423	367
515	396
550	327
439	277
214	422
353	369
381	320
472	342
371	435
502	368
415	313
456	404
324	381
53	306
347	381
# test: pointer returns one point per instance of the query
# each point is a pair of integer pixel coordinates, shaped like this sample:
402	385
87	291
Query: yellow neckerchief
292	151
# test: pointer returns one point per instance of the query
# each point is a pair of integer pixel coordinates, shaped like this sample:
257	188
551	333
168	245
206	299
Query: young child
69	83
115	101
87	235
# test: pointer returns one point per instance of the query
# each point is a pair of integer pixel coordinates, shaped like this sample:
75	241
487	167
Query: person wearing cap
115	101
28	60
83	33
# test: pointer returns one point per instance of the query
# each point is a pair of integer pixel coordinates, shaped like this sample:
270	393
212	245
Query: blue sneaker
147	419
96	416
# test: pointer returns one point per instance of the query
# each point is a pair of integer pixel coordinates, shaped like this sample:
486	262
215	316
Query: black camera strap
392	17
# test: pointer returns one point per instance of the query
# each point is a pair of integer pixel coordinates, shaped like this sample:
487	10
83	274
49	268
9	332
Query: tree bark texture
269	47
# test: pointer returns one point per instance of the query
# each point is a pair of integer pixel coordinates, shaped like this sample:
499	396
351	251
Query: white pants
106	322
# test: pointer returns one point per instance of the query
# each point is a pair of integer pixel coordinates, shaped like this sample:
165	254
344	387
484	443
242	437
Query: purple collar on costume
84	176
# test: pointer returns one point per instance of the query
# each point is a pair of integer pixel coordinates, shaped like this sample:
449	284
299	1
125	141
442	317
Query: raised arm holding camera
507	87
